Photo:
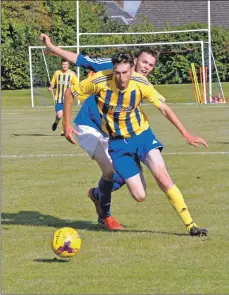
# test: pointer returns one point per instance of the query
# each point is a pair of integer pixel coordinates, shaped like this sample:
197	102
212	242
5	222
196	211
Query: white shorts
88	138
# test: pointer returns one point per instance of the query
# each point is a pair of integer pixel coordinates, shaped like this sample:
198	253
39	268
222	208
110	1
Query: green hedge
23	21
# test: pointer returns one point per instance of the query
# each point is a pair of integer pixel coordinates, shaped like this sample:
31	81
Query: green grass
173	94
42	191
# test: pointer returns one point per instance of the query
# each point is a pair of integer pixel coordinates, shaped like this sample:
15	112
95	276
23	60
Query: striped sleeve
74	79
83	89
153	95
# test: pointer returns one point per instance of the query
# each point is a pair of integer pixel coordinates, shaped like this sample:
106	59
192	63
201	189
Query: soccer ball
66	242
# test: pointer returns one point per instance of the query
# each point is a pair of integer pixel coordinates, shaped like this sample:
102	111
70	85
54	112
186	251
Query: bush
23	21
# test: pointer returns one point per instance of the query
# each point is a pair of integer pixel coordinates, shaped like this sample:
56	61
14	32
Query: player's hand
50	89
69	132
195	140
45	39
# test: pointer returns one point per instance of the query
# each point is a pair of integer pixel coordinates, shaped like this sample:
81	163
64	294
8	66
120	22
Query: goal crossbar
144	33
201	43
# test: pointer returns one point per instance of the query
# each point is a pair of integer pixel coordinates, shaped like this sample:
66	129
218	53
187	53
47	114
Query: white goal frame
207	30
201	43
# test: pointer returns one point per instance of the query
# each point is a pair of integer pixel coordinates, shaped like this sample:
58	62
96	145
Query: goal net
171	76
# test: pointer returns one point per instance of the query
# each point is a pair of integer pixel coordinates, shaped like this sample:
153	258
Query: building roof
177	13
115	12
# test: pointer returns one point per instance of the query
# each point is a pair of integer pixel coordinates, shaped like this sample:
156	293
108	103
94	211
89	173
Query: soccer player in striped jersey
88	121
88	126
62	79
119	93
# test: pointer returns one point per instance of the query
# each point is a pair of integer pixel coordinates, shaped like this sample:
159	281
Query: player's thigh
88	138
136	187
155	163
96	145
127	165
146	142
123	155
143	179
104	161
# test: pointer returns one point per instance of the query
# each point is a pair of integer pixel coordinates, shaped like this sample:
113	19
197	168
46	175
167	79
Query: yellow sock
177	201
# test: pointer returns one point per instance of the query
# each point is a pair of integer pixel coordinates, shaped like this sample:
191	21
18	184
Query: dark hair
122	57
64	60
148	50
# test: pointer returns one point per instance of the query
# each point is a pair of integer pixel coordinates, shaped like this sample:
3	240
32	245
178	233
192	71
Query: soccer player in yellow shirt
62	79
119	93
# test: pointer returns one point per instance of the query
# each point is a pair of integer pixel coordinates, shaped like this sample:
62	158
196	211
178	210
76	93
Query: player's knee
108	175
139	196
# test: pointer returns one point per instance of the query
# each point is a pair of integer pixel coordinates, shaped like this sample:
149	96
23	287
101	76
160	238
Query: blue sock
118	182
105	188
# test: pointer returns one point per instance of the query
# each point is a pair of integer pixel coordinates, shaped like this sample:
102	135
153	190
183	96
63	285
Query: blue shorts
126	152
59	107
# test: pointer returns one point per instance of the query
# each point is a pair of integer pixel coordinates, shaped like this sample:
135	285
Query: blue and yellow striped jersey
120	110
62	81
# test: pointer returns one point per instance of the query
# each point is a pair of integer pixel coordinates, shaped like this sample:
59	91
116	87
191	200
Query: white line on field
174	105
82	155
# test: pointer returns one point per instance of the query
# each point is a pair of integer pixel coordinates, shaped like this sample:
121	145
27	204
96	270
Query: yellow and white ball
66	242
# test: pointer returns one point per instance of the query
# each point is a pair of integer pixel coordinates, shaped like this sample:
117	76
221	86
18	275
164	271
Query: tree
23	21
21	26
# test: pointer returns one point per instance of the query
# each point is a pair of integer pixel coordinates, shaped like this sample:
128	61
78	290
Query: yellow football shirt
62	81
121	111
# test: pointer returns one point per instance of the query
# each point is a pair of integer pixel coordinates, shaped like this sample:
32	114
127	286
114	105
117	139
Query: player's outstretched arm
67	55
69	131
172	117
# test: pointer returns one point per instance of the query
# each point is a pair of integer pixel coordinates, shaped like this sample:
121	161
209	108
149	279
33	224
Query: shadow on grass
53	260
225	142
35	218
34	134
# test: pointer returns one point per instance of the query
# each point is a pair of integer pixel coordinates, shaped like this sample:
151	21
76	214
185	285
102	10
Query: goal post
210	61
40	78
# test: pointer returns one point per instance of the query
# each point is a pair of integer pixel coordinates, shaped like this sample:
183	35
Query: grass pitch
44	187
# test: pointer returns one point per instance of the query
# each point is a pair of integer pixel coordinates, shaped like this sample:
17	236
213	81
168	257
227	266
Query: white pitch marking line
82	155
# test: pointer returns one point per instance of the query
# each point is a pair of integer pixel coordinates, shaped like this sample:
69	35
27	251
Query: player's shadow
223	142
35	218
33	134
52	260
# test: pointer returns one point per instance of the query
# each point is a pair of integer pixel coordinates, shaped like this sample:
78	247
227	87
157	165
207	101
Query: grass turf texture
154	255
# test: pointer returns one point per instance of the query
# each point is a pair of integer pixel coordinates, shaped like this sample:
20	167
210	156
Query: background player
61	80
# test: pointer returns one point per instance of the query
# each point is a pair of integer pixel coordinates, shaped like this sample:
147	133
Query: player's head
145	60
123	64
64	64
